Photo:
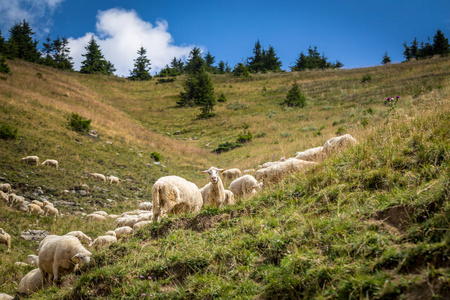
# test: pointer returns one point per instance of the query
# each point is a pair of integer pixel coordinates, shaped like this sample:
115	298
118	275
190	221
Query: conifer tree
271	61
255	63
314	61
386	59
2	42
141	66
295	97
195	62
61	54
95	62
4	68
440	44
21	44
48	50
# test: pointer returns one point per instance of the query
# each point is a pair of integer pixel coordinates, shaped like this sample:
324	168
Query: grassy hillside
371	222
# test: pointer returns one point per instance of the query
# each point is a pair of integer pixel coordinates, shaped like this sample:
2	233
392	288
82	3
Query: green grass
368	223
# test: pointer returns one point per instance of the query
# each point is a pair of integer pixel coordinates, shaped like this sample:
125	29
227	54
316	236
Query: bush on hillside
156	156
78	123
7	132
295	97
4	68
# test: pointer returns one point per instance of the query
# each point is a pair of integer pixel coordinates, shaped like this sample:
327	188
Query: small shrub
244	138
78	123
366	78
4	68
156	156
341	130
317	133
237	106
222	98
285	134
226	147
7	132
295	97
364	122
241	71
261	134
165	80
39	75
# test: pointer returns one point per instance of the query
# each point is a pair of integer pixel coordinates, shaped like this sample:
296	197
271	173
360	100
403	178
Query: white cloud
120	34
36	12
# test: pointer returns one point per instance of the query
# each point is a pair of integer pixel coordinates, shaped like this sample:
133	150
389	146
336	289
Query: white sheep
127	221
45	203
31	283
102	241
145	217
37	202
247	171
112	216
111	233
95	218
276	172
244	186
33	259
4	296
4	196
231	174
145	206
51	163
97	176
81	236
175	195
15	200
30	160
339	143
124	230
229	198
5	238
141	224
213	193
35	209
313	154
58	255
101	213
113	179
5	187
50	211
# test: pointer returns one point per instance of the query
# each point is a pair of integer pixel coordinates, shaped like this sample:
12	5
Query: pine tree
206	98
407	53
2	42
314	61
141	66
241	70
48	50
255	63
295	97
61	54
271	61
95	62
440	44
195	62
414	49
4	68
386	59
21	44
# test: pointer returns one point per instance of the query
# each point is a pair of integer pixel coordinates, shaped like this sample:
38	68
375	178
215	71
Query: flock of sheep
171	195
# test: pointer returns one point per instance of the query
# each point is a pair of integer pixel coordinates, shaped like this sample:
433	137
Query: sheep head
214	174
82	259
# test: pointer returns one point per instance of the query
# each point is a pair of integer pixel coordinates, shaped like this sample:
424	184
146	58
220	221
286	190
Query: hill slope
370	222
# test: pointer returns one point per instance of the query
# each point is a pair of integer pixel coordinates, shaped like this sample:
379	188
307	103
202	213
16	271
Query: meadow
368	223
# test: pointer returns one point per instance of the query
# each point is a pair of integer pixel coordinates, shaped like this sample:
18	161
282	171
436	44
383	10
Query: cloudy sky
355	32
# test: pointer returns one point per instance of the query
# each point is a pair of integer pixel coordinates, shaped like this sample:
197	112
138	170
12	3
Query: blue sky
357	33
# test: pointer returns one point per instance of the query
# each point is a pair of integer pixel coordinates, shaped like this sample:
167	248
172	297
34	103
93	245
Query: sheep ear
75	258
204	172
221	170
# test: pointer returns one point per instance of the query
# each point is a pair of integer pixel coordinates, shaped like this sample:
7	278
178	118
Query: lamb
244	186
50	211
32	282
97	176
39	203
81	236
35	209
145	206
124	230
338	143
33	259
231	174
102	241
94	218
5	238
15	200
51	163
313	154
175	195
213	193
229	198
58	255
3	196
5	187
30	160
113	179
45	203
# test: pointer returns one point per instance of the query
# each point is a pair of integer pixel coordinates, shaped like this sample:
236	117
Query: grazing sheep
127	221
314	154
244	186
3	196
15	200
4	296
81	236
249	171
39	203
102	241
30	160
111	233
124	230
31	283
145	206
101	213
145	217
231	174
213	193
5	238
5	187
275	173
229	198
134	213
50	211
95	218
58	255
112	216
45	203
33	259
141	224
97	176
338	143
175	195
113	179
35	209
51	163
